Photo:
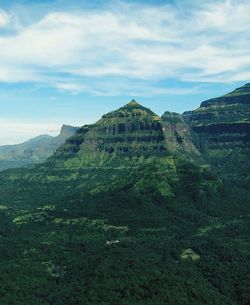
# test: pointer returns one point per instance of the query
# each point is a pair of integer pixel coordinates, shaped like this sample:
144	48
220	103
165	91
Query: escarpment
221	131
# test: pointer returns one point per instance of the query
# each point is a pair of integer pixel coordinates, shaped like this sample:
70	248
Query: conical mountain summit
132	131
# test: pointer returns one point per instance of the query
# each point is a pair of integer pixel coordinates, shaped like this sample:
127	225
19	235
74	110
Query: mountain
127	211
122	145
221	131
33	151
121	142
132	130
128	135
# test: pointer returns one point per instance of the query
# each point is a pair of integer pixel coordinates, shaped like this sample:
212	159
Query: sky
71	61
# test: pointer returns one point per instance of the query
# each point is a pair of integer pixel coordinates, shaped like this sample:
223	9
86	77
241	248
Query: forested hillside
132	210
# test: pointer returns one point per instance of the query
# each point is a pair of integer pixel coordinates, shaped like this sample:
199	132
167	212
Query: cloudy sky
71	61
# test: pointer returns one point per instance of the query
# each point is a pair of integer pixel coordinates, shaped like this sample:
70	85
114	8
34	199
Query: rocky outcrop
178	136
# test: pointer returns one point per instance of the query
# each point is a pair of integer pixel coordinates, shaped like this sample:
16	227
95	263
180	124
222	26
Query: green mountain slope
132	131
128	135
97	155
120	142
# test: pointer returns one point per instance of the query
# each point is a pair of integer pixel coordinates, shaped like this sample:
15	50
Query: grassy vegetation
174	247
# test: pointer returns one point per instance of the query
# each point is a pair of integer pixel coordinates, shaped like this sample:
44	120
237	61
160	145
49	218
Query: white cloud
73	88
14	74
4	18
208	42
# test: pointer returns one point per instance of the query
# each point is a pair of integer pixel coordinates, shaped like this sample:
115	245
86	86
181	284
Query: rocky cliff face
65	132
178	136
131	129
221	128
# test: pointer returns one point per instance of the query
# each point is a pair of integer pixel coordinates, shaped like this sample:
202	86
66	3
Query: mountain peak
67	130
132	130
133	103
132	110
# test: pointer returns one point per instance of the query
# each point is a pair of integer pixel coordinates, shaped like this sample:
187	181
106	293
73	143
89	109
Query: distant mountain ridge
34	150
